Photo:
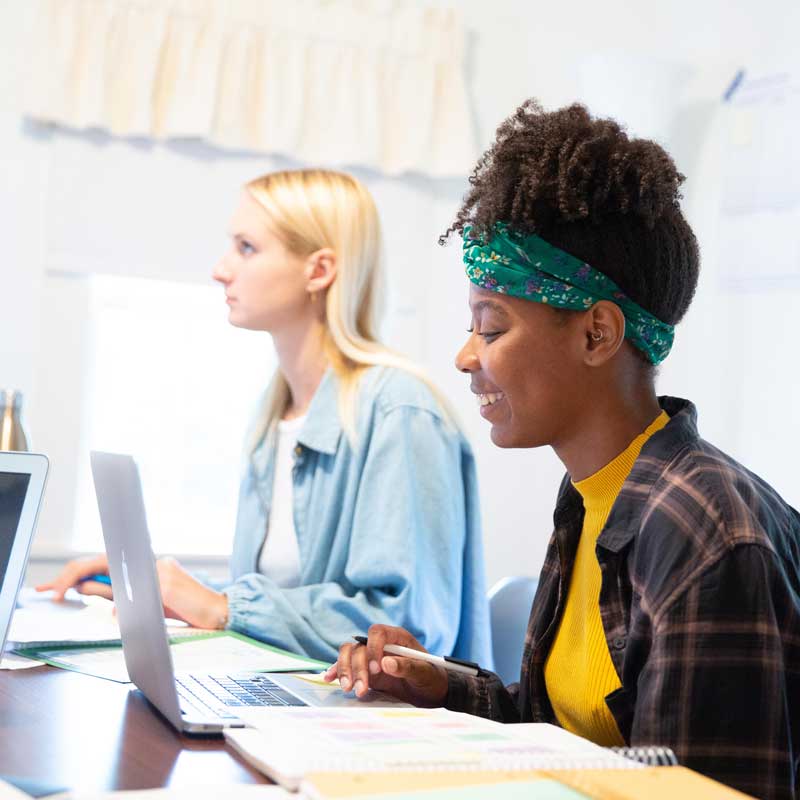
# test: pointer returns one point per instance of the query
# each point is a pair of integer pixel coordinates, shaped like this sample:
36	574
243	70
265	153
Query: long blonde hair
311	209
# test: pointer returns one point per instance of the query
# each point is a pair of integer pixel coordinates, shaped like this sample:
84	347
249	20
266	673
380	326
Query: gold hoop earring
596	336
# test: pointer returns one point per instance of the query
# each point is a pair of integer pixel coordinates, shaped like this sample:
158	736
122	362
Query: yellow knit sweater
579	672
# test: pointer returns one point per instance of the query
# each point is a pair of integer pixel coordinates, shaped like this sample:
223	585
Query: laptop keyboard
222	693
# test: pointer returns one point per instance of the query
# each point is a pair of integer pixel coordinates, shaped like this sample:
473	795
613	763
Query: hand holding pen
372	666
85	575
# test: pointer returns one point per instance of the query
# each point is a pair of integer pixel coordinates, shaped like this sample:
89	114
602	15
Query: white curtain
372	83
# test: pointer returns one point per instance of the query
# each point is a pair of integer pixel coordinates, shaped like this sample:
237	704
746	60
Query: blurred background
128	126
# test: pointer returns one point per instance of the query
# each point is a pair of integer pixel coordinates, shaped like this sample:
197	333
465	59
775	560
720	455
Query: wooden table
79	732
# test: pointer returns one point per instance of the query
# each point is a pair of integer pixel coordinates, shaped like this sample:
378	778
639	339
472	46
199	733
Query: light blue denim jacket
388	531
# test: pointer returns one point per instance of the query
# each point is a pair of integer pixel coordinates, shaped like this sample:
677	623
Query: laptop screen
13	488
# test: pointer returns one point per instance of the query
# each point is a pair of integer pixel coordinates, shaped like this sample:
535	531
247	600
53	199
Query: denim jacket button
619	643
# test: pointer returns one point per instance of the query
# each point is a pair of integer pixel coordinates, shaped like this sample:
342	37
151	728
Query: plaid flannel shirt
700	603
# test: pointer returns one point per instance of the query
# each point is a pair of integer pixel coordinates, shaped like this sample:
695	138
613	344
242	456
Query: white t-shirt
280	556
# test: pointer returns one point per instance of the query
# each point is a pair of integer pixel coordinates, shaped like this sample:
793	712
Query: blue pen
98	578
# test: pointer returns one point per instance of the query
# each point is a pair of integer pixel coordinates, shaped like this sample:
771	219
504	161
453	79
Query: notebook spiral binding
651	756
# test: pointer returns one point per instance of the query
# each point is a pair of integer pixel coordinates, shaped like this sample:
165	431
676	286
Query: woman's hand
73	577
365	667
184	597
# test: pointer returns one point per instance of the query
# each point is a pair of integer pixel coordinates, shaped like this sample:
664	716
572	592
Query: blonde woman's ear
321	269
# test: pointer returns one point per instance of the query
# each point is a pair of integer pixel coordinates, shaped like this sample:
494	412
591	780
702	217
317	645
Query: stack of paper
434	754
289	744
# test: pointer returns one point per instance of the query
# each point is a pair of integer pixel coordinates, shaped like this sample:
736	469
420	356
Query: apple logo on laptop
126	579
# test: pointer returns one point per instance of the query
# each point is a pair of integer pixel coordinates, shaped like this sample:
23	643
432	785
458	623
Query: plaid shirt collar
625	517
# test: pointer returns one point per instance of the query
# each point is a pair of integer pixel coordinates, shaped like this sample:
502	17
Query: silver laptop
22	479
194	703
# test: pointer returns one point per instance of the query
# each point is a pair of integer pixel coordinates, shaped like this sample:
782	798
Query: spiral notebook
289	744
434	754
650	756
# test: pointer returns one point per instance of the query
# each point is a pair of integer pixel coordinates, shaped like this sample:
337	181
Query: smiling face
526	365
266	285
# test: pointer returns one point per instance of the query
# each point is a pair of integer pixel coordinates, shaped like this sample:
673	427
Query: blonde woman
358	503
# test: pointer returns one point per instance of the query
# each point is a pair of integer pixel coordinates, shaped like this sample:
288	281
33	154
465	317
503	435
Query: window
170	381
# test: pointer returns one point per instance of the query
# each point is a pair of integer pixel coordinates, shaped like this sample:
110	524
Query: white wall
22	182
661	68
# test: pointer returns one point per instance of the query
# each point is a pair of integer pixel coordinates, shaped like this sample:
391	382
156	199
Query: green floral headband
529	267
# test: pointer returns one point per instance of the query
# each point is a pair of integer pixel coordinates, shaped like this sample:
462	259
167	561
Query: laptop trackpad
313	691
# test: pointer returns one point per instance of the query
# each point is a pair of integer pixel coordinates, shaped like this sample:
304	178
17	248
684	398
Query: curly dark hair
584	186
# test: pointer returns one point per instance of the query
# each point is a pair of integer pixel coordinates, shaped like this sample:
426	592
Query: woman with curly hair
668	608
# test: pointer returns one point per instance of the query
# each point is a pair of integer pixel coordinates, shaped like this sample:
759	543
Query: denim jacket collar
320	432
322	428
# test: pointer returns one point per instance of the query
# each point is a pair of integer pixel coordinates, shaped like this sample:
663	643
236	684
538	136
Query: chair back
510	601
